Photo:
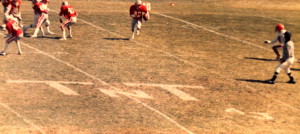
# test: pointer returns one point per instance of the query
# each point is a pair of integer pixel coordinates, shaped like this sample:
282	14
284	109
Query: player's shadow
253	81
294	69
262	59
116	38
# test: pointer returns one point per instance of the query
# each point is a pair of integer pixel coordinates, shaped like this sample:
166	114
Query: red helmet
279	27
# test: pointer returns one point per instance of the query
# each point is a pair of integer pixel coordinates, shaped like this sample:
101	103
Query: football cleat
3	53
291	82
62	39
33	36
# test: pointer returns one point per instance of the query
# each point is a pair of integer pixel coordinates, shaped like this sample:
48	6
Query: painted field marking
171	88
196	65
54	84
137	93
112	87
23	118
212	31
256	115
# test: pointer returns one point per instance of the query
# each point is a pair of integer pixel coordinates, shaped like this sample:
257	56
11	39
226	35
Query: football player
40	17
286	61
70	14
14	33
280	30
137	12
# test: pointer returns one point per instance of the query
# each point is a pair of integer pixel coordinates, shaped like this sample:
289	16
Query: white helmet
138	2
65	3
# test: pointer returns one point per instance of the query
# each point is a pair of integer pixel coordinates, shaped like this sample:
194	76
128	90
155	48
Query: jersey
39	8
288	51
279	38
137	11
13	28
67	11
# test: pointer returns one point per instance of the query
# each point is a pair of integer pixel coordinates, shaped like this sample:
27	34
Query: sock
274	76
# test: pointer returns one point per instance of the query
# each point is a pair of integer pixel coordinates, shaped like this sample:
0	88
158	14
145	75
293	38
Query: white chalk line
62	82
106	84
194	64
24	119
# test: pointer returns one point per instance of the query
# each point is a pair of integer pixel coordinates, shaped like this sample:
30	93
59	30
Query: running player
137	11
286	61
40	17
70	14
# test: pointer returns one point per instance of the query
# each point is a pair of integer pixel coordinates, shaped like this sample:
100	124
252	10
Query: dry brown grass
169	52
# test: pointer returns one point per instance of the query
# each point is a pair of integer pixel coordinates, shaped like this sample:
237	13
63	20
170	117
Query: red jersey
67	11
11	7
39	8
5	3
13	28
137	11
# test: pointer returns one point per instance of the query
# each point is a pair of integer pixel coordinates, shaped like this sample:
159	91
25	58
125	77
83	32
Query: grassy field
197	67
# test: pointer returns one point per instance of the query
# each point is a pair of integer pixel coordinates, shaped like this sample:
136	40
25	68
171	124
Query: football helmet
279	27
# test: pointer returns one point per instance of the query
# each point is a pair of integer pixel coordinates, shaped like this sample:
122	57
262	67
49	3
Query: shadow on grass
262	59
116	38
294	69
254	81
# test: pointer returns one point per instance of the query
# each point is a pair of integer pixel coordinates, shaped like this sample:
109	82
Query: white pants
286	66
39	19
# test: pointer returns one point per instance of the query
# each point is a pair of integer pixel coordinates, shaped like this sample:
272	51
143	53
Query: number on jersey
148	5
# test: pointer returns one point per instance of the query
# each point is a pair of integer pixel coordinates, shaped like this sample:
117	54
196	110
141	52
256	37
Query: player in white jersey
286	61
280	30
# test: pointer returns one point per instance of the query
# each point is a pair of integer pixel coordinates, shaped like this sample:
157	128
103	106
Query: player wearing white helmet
70	14
40	17
137	13
14	33
280	30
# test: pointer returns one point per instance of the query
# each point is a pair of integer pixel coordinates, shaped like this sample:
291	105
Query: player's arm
131	11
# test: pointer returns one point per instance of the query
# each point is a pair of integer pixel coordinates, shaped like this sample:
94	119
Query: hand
60	20
267	41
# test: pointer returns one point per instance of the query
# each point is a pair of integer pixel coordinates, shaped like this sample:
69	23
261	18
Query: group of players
12	21
138	12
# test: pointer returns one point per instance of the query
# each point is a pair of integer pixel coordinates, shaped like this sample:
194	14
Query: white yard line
22	117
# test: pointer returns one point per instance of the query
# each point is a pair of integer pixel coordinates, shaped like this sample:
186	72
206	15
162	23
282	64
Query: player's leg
275	49
70	32
288	70
35	21
63	28
7	42
277	71
133	25
48	25
42	30
38	25
139	26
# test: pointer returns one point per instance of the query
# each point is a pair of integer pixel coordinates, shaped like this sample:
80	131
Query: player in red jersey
40	17
14	33
69	13
137	12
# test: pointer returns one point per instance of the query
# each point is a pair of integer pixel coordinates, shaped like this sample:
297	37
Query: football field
197	67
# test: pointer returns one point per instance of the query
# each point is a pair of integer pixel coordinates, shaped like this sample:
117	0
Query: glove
60	20
267	41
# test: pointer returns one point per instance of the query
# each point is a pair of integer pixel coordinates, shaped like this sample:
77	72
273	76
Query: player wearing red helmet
280	30
287	60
